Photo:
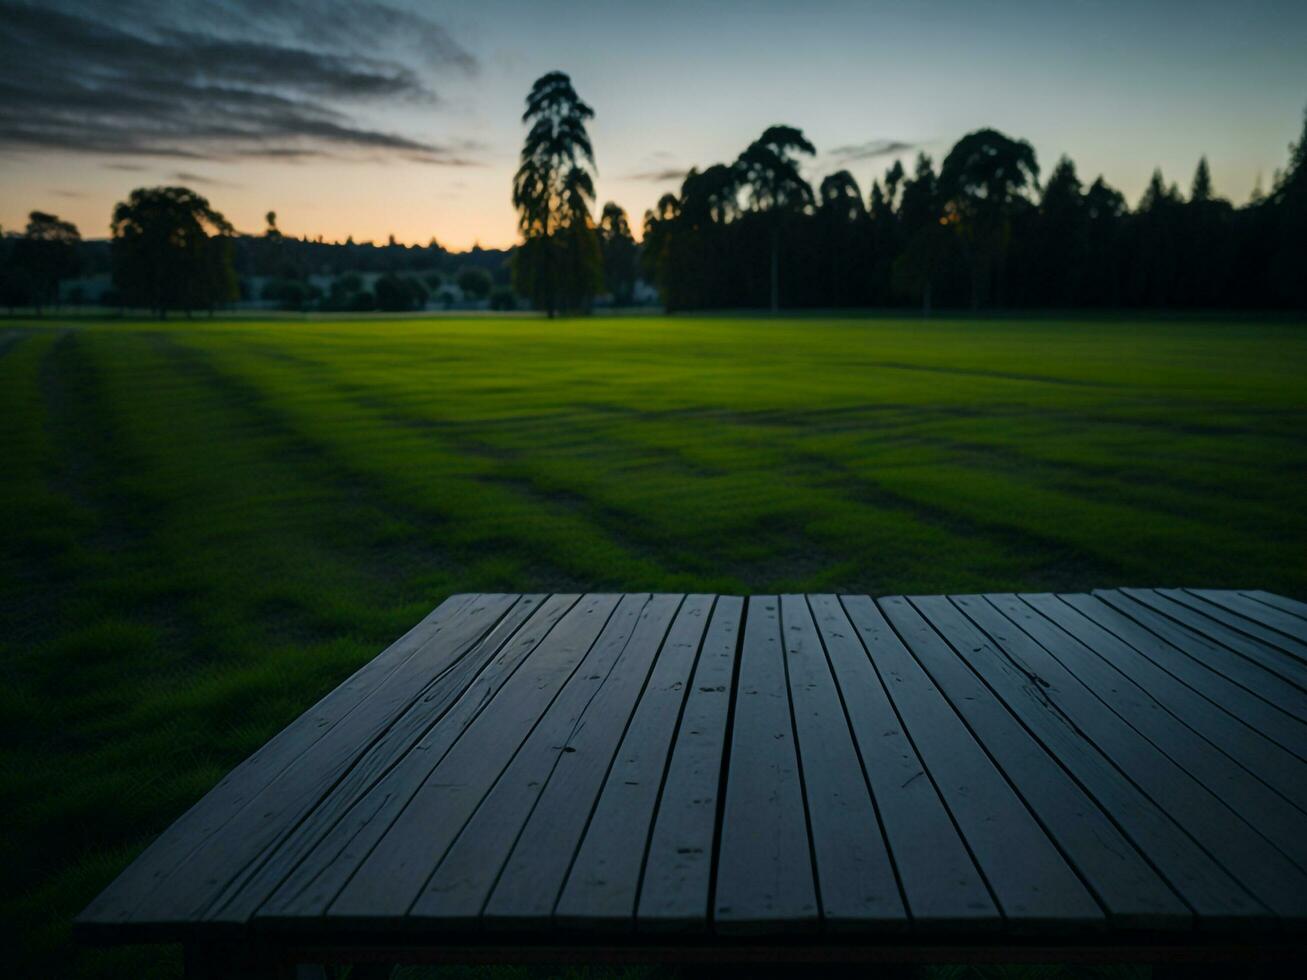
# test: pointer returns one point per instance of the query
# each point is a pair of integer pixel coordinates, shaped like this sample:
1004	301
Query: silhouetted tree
558	264
1107	254
15	284
1288	227
45	256
842	218
619	250
290	294
841	200
1057	246
172	251
919	267
893	178
1156	243
768	172
397	294
983	179
475	283
921	204
1208	249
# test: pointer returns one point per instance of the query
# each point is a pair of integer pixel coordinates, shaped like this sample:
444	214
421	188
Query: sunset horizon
408	124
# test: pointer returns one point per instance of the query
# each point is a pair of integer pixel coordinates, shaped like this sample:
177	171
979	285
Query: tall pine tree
558	265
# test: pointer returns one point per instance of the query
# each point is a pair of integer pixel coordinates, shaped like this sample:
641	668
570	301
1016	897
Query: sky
368	118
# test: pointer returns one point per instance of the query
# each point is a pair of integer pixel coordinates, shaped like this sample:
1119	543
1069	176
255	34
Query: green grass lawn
209	524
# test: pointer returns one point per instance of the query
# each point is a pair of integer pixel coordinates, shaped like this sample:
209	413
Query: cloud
659	176
189	177
292	153
61	192
870	150
129	167
220	79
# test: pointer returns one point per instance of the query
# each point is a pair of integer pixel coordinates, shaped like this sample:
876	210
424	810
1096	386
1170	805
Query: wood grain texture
764	870
676	887
1267	624
1213	627
603	881
1130	890
1211	819
1238	738
1034	885
855	877
942	886
663	769
1247	673
341	840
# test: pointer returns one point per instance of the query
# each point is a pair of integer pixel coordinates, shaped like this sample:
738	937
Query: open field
208	524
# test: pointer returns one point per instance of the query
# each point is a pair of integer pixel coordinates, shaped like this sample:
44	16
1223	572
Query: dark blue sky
368	117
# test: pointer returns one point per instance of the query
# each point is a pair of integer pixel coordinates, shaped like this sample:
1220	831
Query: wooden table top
667	769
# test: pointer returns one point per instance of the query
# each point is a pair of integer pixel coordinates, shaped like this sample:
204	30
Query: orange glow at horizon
459	207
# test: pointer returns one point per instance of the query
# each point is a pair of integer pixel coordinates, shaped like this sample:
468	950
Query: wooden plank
1269	625
1033	884
856	885
1265	810
179	878
1282	728
1209	820
532	880
1277	662
387	878
603	883
1285	616
943	888
674	891
764	871
535	814
1205	886
338	838
1122	879
1239	739
1241	671
1283	603
247	892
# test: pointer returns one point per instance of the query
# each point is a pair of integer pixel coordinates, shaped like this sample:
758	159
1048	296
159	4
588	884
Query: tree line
979	230
170	250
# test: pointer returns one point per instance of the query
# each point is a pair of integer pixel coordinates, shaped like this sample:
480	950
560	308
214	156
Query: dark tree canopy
841	200
44	257
987	170
620	254
983	180
981	231
767	173
768	170
475	283
172	251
